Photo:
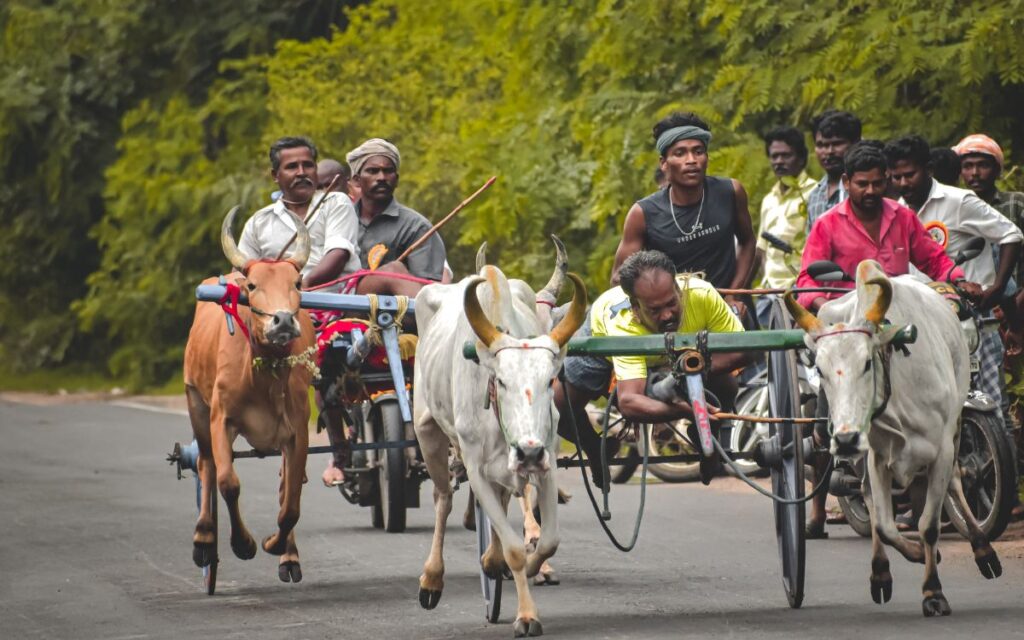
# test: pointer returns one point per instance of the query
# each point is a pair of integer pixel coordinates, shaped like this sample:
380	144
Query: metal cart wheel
491	587
210	570
788	475
389	509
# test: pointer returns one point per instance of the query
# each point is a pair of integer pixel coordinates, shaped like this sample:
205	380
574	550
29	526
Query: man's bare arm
632	239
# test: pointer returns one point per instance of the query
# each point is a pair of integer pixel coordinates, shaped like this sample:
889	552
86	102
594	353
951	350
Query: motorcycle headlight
970	330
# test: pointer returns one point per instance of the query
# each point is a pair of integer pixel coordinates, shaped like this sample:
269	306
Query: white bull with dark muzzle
499	414
901	410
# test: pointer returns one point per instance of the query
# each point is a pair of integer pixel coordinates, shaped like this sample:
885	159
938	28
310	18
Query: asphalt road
97	544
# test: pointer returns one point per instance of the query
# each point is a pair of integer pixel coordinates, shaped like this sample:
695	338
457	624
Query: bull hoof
546	579
289	571
428	598
244	548
989	564
274	544
524	628
881	588
203	554
935	605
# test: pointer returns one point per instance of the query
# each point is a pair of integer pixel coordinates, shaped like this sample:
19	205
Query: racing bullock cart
489	351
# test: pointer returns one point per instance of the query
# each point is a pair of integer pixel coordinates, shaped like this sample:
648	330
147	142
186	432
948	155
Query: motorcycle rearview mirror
827	271
971	250
777	242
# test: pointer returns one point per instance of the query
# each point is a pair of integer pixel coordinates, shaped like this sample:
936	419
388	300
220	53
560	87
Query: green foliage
69	71
557	98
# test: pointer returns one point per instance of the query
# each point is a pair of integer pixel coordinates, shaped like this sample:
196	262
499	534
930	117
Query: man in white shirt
333	230
953	216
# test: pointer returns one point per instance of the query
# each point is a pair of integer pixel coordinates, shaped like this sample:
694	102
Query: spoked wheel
491	587
389	509
666	440
743	437
210	570
988	474
788	474
629	454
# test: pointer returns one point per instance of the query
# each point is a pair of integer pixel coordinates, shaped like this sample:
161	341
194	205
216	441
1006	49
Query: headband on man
685	132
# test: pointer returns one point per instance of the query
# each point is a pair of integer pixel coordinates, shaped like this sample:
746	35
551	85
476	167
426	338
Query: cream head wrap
373	147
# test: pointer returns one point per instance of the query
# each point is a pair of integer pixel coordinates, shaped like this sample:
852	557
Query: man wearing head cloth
981	164
701	222
387	227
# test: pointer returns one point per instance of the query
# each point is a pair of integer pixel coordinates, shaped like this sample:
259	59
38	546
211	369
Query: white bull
499	414
916	431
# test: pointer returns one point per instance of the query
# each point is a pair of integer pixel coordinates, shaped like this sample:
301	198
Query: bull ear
576	315
482	327
803	318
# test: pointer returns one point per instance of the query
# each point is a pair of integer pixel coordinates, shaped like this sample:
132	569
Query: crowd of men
897	202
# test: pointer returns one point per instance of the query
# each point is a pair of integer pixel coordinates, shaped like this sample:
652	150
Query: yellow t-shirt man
701	306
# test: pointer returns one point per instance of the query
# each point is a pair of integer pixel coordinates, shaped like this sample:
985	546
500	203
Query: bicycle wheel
628	453
988	474
742	436
491	587
668	442
788	475
392	467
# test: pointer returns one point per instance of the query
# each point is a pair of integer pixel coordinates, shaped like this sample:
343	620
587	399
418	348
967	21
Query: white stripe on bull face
852	379
524	370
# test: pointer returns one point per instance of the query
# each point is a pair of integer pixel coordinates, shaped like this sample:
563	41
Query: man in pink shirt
870	226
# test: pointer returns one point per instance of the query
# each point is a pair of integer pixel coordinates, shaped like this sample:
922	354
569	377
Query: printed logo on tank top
700	233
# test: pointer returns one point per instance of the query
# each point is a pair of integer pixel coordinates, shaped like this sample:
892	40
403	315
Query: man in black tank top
700	221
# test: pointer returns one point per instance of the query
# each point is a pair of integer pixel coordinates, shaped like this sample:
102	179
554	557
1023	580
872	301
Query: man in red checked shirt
868	226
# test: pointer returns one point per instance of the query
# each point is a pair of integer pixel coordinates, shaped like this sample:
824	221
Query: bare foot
333	476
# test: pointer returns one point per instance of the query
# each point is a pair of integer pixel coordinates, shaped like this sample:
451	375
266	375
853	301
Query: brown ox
267	405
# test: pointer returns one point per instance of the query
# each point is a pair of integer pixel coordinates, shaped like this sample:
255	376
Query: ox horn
227	241
302	244
876	312
576	315
554	285
804	318
481	256
482	327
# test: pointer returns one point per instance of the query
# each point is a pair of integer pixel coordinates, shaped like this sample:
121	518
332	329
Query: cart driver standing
650	299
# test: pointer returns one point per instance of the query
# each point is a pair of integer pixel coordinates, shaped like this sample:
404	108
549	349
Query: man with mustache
869	226
701	222
651	299
834	132
333	231
387	227
783	213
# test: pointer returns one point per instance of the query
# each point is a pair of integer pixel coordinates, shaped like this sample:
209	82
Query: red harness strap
352	279
229	303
